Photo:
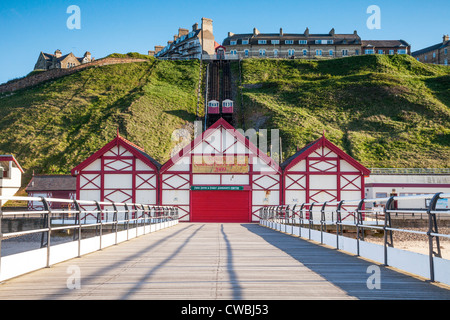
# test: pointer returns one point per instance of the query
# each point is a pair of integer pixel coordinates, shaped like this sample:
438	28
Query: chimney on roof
306	33
182	32
332	32
58	53
445	38
255	31
281	31
195	27
230	34
355	33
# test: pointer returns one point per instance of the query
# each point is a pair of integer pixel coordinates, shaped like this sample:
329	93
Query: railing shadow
350	273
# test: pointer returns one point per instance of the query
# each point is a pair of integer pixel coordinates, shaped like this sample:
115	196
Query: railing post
78	214
338	222
300	219
322	220
310	218
99	220
387	224
358	223
432	228
49	229
127	217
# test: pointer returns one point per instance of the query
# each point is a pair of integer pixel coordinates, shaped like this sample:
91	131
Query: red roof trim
221	123
322	141
10	157
118	140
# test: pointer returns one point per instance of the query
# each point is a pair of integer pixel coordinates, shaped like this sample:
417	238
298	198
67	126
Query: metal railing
96	215
314	215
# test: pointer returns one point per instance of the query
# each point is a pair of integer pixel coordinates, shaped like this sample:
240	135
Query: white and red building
321	172
119	172
10	176
220	177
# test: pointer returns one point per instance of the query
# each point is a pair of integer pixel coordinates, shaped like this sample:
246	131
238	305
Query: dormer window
233	43
262	41
245	41
289	41
275	41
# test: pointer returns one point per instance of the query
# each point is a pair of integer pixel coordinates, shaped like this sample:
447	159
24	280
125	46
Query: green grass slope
385	111
54	126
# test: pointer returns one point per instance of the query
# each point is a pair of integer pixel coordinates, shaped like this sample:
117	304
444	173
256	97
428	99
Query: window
434	54
357	52
318	52
275	53
275	41
329	41
426	58
289	41
318	41
418	59
262	52
244	41
233	43
246	52
381	195
391	51
369	51
233	52
330	52
291	52
305	52
445	51
380	52
303	42
344	52
446	62
401	51
262	41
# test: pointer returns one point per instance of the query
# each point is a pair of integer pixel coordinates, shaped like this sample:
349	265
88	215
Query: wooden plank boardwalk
217	262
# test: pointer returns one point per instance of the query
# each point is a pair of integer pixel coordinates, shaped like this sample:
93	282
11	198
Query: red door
220	206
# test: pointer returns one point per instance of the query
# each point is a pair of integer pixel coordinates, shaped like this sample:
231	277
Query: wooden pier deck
195	261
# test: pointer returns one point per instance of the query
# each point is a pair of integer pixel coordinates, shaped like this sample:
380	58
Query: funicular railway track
219	94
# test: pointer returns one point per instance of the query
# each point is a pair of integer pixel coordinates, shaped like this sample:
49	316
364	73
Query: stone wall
39	78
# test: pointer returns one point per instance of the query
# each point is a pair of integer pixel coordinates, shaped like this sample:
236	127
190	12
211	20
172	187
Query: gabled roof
10	157
118	140
230	129
52	183
311	147
432	48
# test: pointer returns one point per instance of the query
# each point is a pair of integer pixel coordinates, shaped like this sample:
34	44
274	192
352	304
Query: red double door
220	206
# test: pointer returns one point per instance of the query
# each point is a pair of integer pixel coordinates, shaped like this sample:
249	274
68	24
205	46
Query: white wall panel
117	181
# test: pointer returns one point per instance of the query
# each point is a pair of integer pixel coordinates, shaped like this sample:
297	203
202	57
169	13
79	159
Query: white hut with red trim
220	177
10	176
119	172
321	172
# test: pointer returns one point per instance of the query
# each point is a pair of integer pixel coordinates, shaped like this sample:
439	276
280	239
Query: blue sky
30	26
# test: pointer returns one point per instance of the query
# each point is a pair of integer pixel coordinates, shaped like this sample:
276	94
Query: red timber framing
179	180
118	172
322	172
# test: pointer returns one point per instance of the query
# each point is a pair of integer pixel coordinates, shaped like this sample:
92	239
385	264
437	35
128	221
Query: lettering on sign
219	164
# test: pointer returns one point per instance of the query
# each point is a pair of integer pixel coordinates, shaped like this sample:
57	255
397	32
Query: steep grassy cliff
54	126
